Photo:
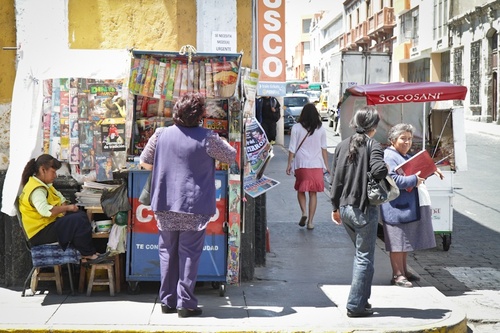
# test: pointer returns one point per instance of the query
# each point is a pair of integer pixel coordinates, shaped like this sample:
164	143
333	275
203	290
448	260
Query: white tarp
27	98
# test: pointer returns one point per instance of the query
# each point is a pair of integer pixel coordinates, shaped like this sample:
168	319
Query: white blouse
310	153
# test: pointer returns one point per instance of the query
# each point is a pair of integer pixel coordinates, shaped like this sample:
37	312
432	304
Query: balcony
378	27
382	22
385	47
361	36
346	41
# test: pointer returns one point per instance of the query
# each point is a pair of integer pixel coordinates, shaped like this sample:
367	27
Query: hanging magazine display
84	124
157	79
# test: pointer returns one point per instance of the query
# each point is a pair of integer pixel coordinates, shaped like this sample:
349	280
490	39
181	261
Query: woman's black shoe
365	313
167	309
183	312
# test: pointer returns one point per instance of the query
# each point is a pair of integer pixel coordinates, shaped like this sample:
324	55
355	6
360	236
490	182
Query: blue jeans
362	228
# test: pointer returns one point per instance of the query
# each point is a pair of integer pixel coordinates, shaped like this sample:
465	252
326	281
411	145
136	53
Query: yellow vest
33	222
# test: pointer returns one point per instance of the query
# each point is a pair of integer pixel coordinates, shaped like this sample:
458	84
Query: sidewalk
303	288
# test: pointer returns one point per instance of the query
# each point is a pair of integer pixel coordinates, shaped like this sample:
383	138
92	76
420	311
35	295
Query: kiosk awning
404	92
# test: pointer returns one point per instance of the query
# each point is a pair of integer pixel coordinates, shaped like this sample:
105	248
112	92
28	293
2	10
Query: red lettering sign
271	40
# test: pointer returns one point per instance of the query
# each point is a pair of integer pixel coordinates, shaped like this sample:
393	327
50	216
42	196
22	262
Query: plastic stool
109	281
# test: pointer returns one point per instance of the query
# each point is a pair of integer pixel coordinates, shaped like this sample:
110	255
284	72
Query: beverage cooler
157	78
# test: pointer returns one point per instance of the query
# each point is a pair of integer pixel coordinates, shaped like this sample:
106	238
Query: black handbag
115	200
145	196
380	191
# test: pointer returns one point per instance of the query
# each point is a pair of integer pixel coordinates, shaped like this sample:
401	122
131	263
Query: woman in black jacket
350	203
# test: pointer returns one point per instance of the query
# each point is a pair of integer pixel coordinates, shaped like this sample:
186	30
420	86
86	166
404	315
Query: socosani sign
408	98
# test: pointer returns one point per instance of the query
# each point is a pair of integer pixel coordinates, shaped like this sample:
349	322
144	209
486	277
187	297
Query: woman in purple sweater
182	159
407	220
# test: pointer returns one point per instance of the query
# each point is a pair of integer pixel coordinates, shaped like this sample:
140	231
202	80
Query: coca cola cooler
143	262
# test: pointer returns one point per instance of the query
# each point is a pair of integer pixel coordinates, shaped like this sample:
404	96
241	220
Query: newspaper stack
90	195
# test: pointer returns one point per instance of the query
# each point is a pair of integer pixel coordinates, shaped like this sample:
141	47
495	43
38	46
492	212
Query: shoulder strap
368	151
301	142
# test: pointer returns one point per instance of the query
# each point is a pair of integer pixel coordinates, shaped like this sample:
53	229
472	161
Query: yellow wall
435	67
243	31
164	25
143	25
7	57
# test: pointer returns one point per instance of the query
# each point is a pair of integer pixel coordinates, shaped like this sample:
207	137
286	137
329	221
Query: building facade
437	40
473	35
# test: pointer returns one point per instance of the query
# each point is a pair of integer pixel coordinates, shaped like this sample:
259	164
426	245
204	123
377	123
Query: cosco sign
271	33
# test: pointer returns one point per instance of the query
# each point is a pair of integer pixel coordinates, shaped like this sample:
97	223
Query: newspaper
259	186
250	81
259	152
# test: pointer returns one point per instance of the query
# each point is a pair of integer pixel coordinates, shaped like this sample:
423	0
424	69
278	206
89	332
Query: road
469	272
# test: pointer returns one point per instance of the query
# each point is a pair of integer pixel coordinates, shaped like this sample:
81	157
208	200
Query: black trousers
72	228
270	129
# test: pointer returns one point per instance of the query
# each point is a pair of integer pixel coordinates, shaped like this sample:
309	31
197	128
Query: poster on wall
84	124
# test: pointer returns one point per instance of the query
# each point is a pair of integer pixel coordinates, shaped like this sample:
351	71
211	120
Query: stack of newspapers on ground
90	195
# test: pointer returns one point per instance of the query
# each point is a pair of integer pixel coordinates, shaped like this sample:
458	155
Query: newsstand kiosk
157	78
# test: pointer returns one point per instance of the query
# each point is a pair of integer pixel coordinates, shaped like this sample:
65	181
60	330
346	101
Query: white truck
350	68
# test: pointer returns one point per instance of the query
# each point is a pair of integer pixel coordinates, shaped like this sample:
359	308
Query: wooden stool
109	281
47	276
118	276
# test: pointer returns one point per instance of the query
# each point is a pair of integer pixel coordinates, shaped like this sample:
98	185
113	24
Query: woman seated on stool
47	216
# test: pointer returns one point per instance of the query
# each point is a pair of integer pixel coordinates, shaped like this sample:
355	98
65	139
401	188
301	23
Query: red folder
421	161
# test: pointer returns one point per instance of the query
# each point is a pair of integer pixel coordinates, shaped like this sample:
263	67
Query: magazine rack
157	79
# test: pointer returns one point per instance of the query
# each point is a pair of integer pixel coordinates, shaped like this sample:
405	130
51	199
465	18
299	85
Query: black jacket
263	112
350	180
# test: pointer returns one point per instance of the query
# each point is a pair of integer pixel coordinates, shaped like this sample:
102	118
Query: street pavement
469	273
302	288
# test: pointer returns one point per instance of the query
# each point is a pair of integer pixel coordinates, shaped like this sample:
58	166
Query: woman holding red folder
407	219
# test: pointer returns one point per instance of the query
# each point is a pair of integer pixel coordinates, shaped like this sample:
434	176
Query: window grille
457	70
475	70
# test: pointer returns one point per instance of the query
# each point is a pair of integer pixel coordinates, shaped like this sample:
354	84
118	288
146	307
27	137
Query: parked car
288	120
294	103
313	95
319	98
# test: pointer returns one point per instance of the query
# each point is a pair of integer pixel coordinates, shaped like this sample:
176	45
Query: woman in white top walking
308	160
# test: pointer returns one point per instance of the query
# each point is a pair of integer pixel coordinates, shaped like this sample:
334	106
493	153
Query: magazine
421	161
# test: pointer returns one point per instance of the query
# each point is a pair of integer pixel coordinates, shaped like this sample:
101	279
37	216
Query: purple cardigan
405	208
183	178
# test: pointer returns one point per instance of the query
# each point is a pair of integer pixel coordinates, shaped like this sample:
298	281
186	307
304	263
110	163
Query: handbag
115	200
145	196
380	191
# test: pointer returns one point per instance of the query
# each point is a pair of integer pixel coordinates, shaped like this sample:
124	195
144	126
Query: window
457	70
409	27
306	26
307	47
445	67
440	27
475	72
419	71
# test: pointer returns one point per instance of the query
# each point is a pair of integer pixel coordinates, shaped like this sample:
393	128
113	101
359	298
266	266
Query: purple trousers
180	253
